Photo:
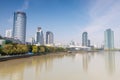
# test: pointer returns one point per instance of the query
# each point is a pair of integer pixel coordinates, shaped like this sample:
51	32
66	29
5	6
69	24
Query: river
75	66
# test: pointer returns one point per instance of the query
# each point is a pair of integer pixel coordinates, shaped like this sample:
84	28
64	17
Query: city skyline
65	17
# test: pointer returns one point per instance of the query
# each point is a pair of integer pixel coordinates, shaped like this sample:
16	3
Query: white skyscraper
8	33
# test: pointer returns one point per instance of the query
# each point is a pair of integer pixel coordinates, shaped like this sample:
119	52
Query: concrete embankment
5	58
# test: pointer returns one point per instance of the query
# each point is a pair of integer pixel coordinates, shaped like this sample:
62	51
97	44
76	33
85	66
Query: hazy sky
67	19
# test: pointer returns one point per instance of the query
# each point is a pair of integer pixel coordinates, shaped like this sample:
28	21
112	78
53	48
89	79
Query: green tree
35	49
7	49
8	42
48	49
0	50
41	49
21	49
60	49
14	49
29	48
1	37
25	49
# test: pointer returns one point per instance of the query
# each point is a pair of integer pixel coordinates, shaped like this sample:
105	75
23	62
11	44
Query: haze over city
67	19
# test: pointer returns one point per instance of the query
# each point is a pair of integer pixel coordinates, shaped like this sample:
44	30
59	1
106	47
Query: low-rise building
2	42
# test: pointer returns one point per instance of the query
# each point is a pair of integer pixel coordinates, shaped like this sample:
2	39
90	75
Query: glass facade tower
85	39
39	36
109	39
19	26
49	37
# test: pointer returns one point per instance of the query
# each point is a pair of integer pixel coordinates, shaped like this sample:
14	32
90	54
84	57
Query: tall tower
85	39
49	37
19	26
109	39
39	36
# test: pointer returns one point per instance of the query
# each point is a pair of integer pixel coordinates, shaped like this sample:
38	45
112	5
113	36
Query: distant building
19	26
39	36
72	43
32	41
2	42
0	37
49	38
109	39
12	40
8	33
85	39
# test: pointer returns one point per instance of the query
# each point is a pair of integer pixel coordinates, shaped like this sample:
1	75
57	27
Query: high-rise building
88	43
19	26
39	36
0	37
8	33
49	37
109	39
32	40
72	43
85	39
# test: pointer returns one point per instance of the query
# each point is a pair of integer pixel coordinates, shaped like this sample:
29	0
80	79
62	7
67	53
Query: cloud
104	14
25	5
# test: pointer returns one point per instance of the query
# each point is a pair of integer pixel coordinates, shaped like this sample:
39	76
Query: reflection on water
110	62
85	66
86	59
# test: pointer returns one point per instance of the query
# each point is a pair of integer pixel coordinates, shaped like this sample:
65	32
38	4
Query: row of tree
18	49
47	49
14	49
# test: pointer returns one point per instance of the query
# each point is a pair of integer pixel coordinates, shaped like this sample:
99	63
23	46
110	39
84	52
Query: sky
67	19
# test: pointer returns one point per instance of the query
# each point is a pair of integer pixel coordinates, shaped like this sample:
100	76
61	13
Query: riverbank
6	58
